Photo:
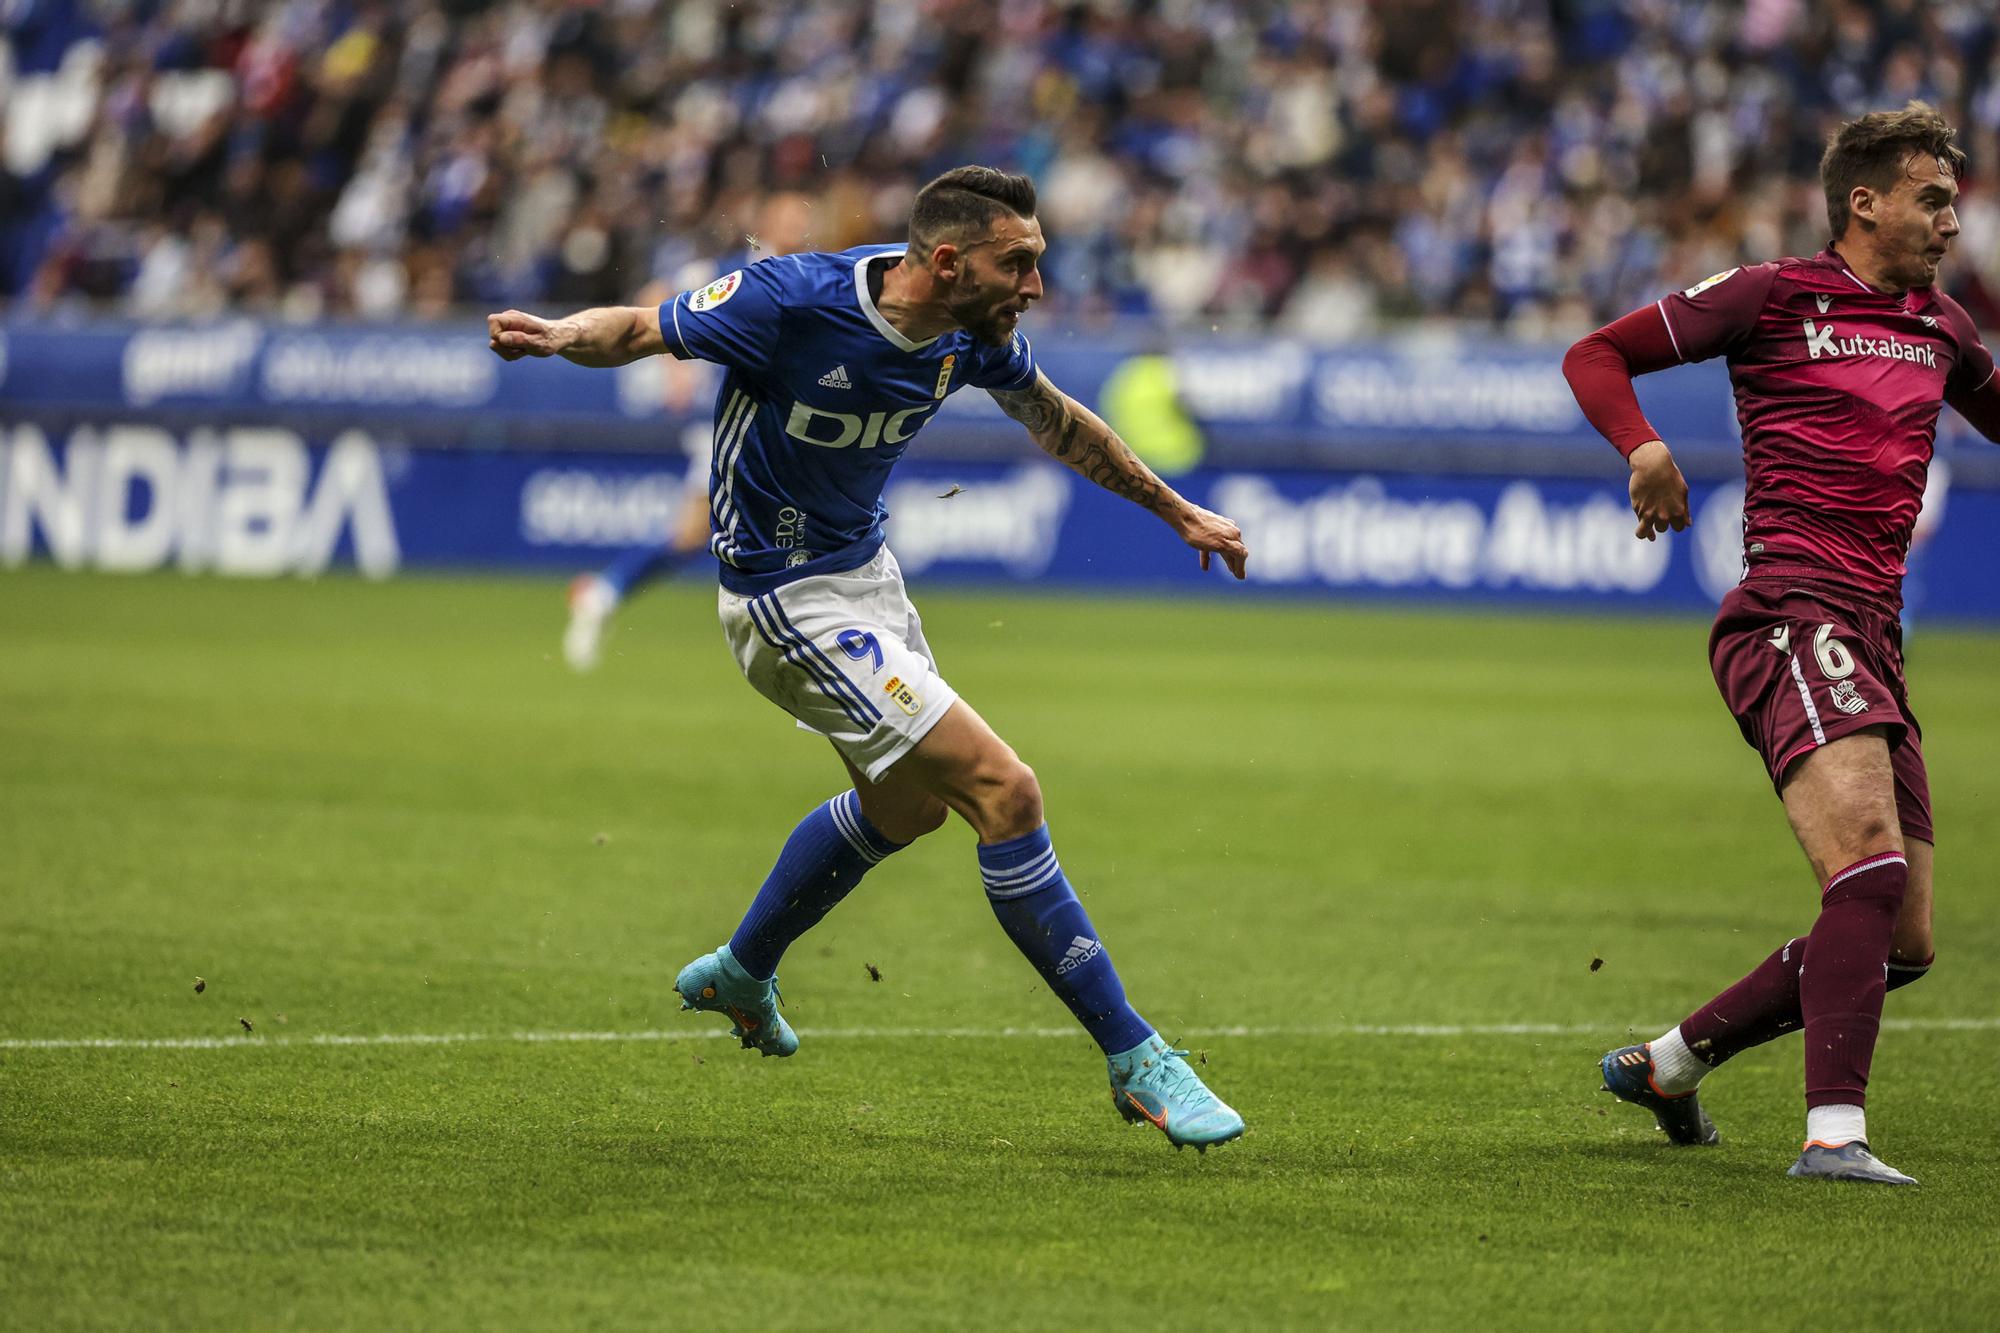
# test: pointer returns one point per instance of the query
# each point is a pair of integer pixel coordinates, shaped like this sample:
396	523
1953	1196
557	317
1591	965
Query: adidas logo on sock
1081	951
836	378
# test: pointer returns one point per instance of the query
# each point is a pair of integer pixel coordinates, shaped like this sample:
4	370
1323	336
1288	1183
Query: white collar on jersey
882	326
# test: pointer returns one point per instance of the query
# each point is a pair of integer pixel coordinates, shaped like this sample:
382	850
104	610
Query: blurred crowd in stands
1330	168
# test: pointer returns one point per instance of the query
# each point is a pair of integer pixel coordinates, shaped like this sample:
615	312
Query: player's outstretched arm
1600	368
605	336
1074	435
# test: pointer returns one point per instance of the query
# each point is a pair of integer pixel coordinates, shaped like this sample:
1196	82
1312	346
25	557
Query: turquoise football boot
1153	1083
717	983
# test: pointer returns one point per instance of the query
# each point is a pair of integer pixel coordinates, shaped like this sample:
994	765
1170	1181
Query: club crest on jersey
1709	282
1847	699
944	375
900	694
713	295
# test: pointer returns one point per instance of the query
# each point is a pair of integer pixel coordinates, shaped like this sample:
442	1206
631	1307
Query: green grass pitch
388	810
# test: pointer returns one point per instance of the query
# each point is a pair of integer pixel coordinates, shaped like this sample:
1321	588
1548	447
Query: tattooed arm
1074	435
605	336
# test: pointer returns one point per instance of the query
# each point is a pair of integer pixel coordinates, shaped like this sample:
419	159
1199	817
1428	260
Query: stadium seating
1322	168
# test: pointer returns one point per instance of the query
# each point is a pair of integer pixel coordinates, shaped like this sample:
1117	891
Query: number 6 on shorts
1835	662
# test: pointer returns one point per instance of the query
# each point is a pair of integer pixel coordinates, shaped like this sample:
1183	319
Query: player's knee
1014	801
1865	834
926	818
1906	967
1911	947
1881	881
905	820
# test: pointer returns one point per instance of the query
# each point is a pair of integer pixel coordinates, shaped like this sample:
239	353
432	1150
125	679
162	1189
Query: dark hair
963	201
1876	149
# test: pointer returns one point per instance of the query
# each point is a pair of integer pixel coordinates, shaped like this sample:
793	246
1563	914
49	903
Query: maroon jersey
1838	388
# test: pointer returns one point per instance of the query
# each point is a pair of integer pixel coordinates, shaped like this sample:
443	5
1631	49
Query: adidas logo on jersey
1081	950
836	378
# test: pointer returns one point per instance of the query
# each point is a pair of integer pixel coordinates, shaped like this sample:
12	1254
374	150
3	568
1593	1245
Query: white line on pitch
946	1034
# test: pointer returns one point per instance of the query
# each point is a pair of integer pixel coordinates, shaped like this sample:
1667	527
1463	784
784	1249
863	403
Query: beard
979	314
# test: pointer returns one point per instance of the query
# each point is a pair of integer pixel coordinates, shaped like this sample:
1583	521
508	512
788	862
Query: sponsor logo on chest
841	430
1825	340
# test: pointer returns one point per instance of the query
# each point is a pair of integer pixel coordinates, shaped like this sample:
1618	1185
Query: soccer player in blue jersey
834	362
784	227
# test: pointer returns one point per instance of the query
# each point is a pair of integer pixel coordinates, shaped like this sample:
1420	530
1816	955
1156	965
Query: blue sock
636	568
1040	913
826	856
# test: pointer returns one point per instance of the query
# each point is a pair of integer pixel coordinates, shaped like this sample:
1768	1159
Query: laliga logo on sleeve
713	295
1709	282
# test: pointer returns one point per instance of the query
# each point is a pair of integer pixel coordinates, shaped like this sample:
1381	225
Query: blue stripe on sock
842	819
817	867
881	841
1023	879
863	836
1039	911
1007	866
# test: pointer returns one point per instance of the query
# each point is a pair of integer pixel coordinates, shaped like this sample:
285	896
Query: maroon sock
1902	974
1765	1004
1840	994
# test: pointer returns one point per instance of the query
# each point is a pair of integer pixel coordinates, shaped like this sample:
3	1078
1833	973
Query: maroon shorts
1801	663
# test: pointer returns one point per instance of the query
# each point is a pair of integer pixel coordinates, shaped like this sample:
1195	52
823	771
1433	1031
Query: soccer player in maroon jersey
1840	364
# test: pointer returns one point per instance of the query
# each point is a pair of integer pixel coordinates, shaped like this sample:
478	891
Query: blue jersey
821	398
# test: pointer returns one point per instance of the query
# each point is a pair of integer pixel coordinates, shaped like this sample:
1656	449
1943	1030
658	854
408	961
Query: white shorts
845	655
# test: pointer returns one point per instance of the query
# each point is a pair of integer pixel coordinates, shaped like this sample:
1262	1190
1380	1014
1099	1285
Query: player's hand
1212	534
513	335
1659	491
